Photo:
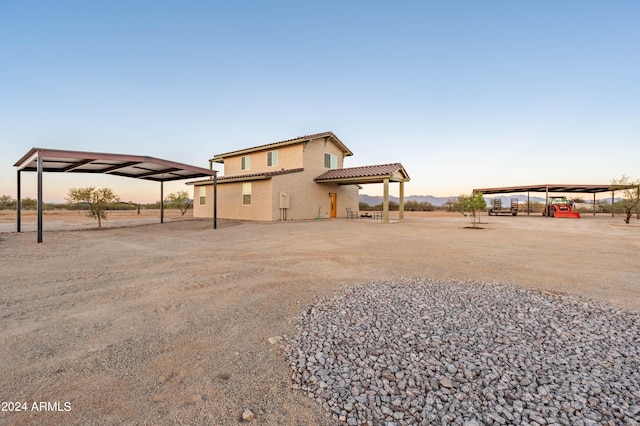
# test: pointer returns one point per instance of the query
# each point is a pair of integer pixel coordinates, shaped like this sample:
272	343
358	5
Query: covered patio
384	174
41	160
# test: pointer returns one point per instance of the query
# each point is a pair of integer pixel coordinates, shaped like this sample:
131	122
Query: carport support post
594	203
161	202
401	206
612	201
215	201
546	202
39	197
18	205
385	204
528	204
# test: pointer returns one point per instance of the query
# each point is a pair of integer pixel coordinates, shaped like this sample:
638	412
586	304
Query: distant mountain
439	201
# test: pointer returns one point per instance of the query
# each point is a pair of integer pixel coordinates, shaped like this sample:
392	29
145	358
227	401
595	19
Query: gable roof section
245	178
219	158
365	174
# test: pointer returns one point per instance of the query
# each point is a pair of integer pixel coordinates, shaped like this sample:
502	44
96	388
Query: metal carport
134	166
568	189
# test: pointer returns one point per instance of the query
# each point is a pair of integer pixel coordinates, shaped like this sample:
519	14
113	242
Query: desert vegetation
97	201
179	200
471	205
410	206
631	195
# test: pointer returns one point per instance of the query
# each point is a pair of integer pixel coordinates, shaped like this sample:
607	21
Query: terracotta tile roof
249	176
220	157
360	172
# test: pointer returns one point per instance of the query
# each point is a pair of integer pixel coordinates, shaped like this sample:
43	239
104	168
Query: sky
465	94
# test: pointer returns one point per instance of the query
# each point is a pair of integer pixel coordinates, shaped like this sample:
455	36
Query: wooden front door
334	204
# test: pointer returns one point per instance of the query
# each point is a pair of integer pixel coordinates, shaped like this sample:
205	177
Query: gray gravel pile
418	351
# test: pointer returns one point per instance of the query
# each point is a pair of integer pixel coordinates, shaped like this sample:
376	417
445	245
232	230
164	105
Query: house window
245	162
330	161
272	158
246	193
203	195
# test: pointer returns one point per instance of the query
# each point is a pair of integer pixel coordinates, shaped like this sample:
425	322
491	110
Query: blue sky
465	94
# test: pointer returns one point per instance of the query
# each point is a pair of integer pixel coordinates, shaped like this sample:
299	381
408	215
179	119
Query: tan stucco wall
205	210
289	157
307	197
230	201
314	156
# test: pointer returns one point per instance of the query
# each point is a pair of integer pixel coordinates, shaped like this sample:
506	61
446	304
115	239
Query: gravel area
422	351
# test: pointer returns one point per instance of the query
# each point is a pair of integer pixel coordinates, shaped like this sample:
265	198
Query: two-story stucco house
301	178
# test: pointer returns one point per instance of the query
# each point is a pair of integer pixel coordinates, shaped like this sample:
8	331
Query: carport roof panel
573	188
134	166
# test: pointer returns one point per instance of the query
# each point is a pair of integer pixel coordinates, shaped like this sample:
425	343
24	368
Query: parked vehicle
560	207
496	207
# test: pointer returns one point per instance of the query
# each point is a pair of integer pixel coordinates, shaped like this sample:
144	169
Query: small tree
98	200
631	196
179	200
471	204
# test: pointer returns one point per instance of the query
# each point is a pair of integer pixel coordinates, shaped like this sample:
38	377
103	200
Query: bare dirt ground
169	323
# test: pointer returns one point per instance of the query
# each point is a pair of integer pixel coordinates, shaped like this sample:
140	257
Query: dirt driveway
169	323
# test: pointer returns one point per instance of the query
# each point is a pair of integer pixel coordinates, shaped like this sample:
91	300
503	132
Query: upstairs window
330	161
272	158
245	163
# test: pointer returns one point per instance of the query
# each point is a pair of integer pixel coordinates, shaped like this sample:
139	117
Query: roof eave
330	135
220	157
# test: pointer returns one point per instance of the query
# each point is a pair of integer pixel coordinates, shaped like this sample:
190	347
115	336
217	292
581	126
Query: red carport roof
133	166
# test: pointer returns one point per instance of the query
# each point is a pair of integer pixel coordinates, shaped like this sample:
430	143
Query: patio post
385	205
401	206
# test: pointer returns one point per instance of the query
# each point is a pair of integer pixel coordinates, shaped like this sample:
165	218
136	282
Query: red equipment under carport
560	207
